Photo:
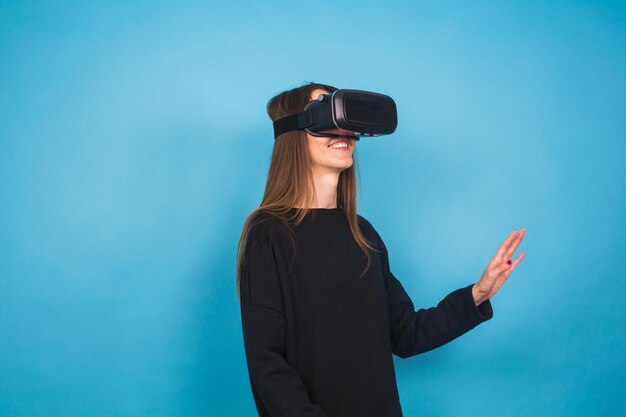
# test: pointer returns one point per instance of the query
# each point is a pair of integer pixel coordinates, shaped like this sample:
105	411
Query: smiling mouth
341	145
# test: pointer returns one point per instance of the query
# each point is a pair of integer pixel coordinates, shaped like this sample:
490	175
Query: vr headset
344	113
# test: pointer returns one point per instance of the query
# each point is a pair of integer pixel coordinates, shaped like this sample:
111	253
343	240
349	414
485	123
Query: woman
321	311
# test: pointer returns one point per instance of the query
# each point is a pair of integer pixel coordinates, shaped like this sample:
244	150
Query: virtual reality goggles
344	113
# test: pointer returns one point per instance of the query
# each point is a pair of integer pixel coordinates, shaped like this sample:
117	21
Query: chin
344	167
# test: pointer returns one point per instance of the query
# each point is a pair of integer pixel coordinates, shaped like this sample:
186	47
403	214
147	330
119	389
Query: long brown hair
290	179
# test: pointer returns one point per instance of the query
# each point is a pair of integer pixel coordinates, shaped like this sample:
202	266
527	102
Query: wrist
479	298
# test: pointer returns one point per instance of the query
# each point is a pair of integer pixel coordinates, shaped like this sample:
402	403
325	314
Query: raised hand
499	269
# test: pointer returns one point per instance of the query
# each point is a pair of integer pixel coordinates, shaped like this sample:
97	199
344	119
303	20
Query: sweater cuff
483	311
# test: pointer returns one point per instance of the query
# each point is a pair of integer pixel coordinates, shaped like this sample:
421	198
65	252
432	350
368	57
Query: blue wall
134	142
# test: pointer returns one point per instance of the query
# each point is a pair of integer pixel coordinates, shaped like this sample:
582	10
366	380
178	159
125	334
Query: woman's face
330	154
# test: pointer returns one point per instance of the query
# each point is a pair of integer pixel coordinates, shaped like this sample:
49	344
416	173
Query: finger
505	245
497	266
515	244
514	264
518	260
503	267
505	275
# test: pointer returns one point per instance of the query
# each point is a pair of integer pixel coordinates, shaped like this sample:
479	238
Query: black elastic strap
296	121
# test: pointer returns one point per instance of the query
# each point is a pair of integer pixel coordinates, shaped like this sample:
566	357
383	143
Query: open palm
499	269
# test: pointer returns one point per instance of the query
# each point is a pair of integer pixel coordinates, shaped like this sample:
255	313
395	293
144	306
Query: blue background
134	142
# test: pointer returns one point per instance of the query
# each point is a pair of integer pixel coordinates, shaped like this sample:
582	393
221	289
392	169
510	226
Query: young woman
321	311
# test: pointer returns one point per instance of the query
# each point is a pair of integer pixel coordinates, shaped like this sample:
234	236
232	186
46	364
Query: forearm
415	332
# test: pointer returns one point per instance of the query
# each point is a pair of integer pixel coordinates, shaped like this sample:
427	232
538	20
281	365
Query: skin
328	163
498	270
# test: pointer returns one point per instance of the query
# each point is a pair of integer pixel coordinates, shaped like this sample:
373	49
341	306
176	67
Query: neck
325	189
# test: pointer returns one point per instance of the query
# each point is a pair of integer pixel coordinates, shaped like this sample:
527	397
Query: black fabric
318	339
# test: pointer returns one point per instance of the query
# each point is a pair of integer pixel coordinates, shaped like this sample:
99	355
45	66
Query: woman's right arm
278	384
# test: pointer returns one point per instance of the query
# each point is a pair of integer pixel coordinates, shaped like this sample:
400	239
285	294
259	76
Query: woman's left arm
413	332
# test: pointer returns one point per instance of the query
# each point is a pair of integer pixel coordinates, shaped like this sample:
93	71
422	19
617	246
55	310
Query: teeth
339	145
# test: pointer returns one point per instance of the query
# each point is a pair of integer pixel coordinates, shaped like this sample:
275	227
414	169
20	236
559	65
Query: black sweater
319	339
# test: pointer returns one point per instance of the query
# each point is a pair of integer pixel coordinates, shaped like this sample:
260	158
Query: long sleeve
279	390
414	332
